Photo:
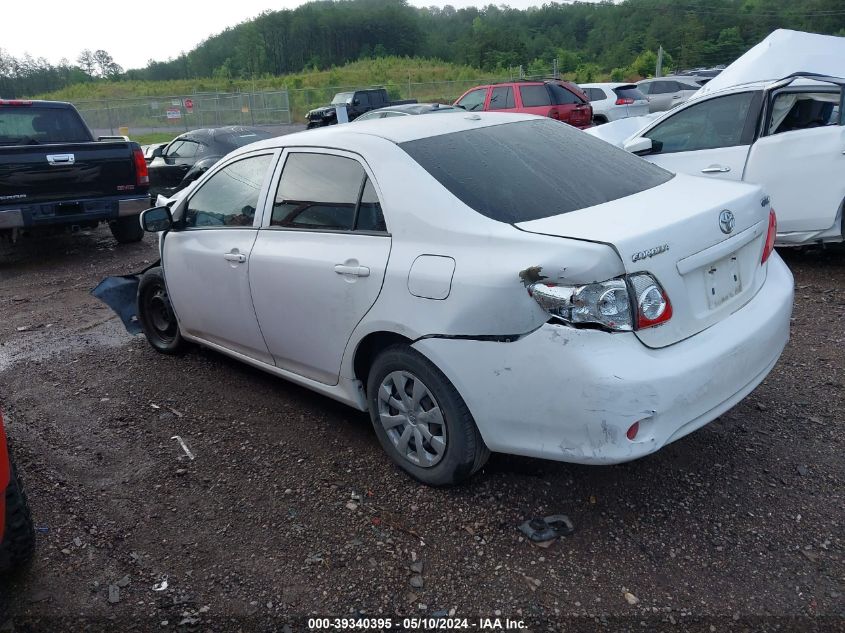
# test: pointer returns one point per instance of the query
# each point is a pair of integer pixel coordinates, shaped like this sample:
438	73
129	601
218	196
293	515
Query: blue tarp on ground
121	295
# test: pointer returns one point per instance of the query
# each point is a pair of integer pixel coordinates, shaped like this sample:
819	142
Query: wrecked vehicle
774	117
477	299
54	176
17	532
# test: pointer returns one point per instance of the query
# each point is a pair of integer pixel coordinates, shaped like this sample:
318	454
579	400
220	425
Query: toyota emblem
726	221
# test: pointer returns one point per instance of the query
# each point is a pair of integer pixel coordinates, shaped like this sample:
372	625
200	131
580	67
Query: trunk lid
673	232
65	171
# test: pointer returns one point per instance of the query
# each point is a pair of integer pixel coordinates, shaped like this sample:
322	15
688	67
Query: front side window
662	87
473	100
229	198
325	192
502	98
713	123
534	96
183	149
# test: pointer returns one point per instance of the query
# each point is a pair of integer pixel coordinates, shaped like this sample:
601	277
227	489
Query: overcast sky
134	32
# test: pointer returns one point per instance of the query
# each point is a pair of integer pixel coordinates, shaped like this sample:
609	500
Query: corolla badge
727	221
648	253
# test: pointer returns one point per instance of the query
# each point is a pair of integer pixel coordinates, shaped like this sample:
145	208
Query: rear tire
127	229
156	314
18	544
421	420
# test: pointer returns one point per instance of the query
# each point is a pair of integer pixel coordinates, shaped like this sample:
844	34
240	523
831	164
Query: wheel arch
369	347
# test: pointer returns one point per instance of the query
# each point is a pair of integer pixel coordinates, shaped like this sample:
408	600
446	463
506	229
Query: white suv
613	101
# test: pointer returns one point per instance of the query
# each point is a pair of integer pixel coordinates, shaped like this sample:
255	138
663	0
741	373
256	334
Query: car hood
321	112
781	54
617	132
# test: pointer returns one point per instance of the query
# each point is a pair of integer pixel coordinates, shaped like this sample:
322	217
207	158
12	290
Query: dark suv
555	99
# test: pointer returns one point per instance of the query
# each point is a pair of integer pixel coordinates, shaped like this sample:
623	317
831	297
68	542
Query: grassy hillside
396	71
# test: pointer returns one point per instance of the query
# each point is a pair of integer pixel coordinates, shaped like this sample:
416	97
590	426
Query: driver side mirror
156	219
158	152
639	145
356	102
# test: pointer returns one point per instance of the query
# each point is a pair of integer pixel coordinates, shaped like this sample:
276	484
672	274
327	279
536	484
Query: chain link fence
179	113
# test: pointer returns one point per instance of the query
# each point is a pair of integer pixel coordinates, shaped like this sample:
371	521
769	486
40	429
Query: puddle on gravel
45	343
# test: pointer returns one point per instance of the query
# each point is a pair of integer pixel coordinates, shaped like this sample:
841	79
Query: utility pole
554	68
658	72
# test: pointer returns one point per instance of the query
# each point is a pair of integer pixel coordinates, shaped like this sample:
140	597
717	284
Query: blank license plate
722	281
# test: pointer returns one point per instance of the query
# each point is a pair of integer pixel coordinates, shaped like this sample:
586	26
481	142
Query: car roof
415	108
393	129
607	84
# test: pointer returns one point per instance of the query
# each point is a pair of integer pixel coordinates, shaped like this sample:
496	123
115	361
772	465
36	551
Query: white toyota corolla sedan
478	283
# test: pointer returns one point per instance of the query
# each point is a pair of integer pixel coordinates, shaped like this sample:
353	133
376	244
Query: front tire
421	420
127	230
19	533
156	314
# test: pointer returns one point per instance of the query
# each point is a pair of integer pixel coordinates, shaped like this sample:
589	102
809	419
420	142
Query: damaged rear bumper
571	394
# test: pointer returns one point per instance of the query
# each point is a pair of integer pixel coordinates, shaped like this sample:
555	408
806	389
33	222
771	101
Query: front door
801	160
710	137
318	264
206	263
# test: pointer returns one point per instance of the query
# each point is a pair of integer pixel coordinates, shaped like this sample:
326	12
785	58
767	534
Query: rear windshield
629	92
535	169
33	125
563	96
244	138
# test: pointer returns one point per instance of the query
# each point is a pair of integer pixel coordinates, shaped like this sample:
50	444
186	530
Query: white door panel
310	290
208	286
802	171
721	162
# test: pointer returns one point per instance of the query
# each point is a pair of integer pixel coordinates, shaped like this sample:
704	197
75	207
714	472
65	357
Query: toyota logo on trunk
726	221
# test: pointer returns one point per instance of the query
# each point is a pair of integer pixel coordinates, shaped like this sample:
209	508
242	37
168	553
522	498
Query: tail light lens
623	101
15	102
142	175
770	236
623	304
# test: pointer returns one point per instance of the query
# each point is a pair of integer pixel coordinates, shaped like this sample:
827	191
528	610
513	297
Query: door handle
715	169
235	257
676	96
356	271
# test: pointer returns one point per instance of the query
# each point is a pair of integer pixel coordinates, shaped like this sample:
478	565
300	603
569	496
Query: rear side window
502	98
322	192
512	172
32	125
534	96
562	96
595	94
629	92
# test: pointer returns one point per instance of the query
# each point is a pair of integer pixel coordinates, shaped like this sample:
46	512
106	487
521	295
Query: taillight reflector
632	431
142	175
770	236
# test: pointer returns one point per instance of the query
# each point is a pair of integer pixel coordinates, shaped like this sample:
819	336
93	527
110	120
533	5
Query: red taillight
652	304
15	102
621	101
142	176
770	236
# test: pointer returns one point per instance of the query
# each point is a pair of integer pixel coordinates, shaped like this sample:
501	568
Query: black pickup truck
55	175
356	104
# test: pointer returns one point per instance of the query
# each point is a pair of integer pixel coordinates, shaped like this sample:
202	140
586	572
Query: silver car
664	93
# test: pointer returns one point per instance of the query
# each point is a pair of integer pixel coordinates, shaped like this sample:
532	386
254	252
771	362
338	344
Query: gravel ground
290	508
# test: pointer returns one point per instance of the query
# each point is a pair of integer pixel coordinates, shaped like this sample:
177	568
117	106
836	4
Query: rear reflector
142	175
770	236
632	431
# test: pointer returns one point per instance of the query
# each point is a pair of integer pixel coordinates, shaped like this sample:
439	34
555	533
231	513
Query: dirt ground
290	509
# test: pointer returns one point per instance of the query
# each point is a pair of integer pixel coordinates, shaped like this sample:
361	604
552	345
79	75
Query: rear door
319	261
800	160
206	263
710	137
568	106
